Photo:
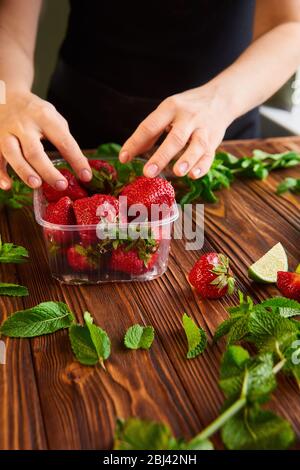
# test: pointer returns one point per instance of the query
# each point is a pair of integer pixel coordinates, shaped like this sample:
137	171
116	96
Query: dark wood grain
50	401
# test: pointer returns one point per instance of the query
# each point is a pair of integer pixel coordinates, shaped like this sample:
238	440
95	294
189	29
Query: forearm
18	25
260	71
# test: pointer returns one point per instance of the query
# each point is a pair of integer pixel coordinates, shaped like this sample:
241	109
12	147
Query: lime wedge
266	268
298	269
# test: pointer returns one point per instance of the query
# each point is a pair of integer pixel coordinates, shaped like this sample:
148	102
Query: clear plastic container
104	265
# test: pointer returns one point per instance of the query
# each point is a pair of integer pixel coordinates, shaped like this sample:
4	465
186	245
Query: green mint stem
221	420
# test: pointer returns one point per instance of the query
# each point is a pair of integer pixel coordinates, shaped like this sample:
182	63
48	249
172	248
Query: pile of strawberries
87	204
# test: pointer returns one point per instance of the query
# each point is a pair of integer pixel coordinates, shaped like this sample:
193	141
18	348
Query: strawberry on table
104	176
149	191
73	191
61	213
289	284
91	210
211	276
130	262
82	258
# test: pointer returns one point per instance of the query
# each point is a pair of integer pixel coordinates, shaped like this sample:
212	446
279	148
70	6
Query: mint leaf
196	337
10	253
256	429
139	337
18	196
90	344
107	150
42	319
82	346
287	307
270	331
289	184
99	338
13	290
243	375
137	434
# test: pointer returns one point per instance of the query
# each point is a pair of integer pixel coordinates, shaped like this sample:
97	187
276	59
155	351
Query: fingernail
124	156
4	184
196	172
86	175
151	170
34	182
61	185
183	168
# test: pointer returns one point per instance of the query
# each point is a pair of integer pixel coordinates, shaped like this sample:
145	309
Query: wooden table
49	401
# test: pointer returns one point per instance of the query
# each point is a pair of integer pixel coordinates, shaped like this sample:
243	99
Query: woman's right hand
24	120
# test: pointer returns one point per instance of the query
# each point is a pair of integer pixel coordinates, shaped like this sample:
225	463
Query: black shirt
119	59
159	47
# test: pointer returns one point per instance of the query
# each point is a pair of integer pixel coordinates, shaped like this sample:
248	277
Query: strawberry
130	262
210	276
104	177
91	210
82	258
62	213
74	190
149	191
289	284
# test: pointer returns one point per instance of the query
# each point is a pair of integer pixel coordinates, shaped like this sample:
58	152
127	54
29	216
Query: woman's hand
195	120
24	121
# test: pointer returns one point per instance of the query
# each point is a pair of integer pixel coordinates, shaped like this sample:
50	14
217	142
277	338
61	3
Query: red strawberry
210	276
90	211
289	284
130	262
62	213
74	190
82	258
149	191
104	176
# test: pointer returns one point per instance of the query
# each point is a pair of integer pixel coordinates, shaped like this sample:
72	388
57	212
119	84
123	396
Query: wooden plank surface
50	401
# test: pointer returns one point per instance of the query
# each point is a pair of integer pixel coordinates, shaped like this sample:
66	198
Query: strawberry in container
73	221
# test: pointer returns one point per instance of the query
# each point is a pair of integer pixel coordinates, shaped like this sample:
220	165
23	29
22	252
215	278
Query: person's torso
156	48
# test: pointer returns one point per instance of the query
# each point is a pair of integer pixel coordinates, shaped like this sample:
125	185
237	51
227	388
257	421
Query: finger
5	181
56	130
147	132
202	167
35	155
173	143
196	149
12	153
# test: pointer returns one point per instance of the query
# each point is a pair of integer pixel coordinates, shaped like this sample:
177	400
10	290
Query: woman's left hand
195	120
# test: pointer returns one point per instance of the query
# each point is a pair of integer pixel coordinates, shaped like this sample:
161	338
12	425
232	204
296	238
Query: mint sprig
13	290
226	168
42	319
139	337
10	253
196	337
